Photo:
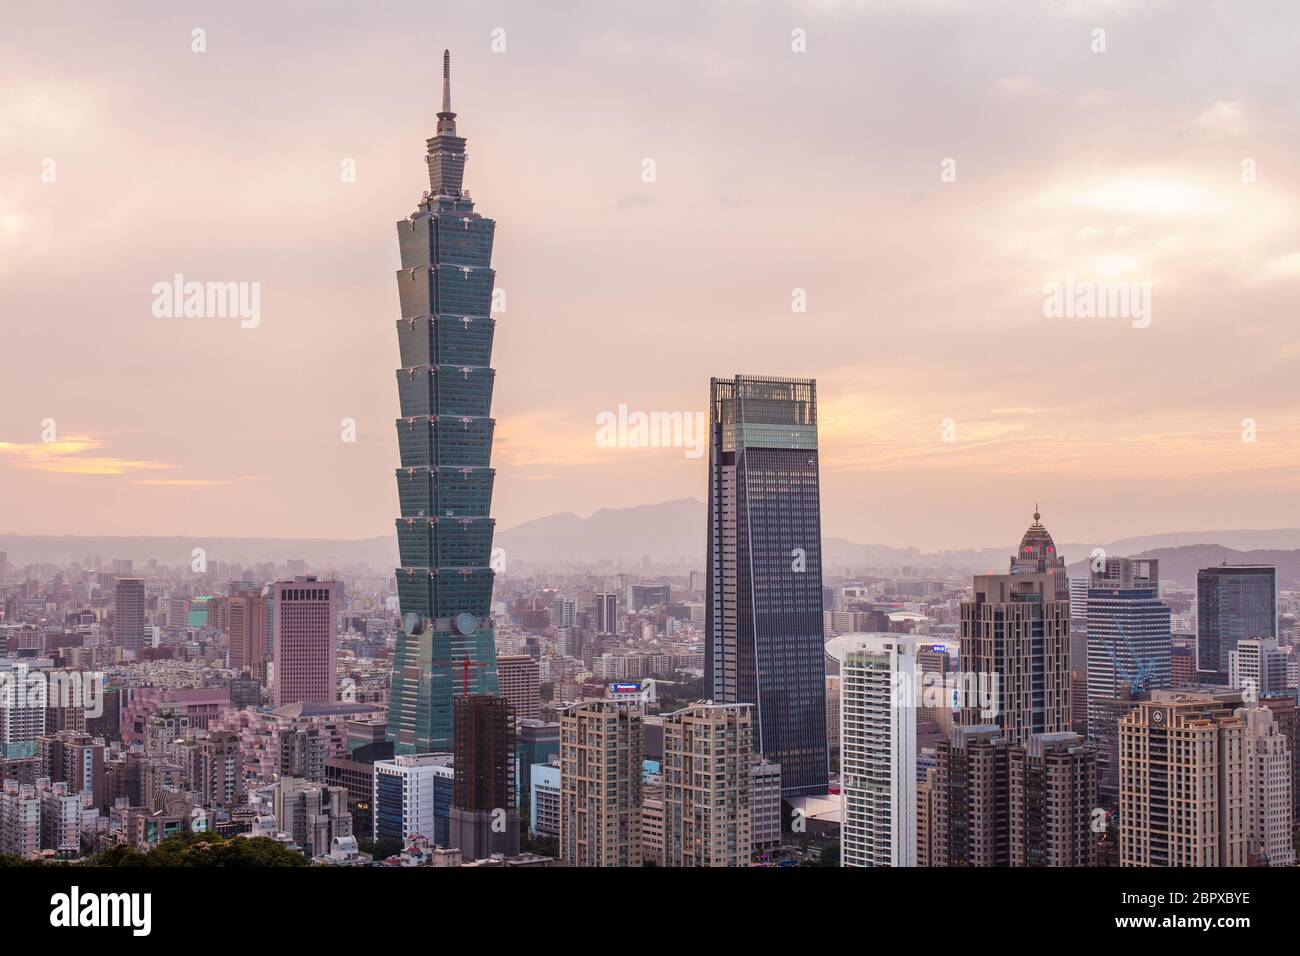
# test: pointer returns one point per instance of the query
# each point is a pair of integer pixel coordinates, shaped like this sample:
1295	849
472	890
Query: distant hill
666	532
1179	565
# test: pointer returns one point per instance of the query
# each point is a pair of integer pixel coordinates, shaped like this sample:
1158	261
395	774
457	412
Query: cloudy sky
920	169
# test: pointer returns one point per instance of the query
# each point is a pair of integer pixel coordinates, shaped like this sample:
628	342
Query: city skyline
163	428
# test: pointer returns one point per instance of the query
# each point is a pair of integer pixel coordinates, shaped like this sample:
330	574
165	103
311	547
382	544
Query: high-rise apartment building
763	616
1287	714
128	614
483	819
973	814
1182	782
303	614
878	750
1053	796
302	753
217	770
1234	602
444	535
600	783
521	684
707	788
1015	637
1268	790
765	804
927	819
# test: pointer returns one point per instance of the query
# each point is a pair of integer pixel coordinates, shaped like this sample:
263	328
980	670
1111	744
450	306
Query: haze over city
820	172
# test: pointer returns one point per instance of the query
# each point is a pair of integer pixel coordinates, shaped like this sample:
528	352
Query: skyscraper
128	613
246	621
1268	789
1053	795
600	783
1129	637
1182	782
878	750
1018	628
763	616
1234	602
707	788
304	631
444	534
483	819
973	814
607	613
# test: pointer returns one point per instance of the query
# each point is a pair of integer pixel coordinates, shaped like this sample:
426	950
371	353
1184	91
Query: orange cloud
67	456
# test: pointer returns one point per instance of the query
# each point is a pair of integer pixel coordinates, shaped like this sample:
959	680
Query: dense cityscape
747	707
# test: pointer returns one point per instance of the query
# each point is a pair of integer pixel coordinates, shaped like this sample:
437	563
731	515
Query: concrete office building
544	803
1260	667
304	641
128	614
412	797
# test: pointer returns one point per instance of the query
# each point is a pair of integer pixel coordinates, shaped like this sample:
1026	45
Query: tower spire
446	157
446	81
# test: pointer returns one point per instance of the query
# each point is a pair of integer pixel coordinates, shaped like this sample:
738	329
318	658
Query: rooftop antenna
446	81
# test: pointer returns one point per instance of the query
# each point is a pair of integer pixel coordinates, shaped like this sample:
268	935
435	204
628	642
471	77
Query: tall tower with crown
1015	640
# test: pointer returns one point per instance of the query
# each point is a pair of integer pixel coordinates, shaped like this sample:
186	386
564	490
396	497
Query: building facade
303	614
878	750
1053	796
600	783
444	534
763	616
1234	602
483	819
708	756
1182	782
1015	639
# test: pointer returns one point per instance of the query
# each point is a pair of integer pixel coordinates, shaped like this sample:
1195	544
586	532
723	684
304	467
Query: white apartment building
878	750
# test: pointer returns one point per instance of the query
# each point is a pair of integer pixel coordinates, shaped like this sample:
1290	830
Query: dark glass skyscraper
444	486
1234	602
763	617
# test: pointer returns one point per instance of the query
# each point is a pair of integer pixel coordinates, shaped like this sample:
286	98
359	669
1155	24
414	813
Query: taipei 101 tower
444	486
